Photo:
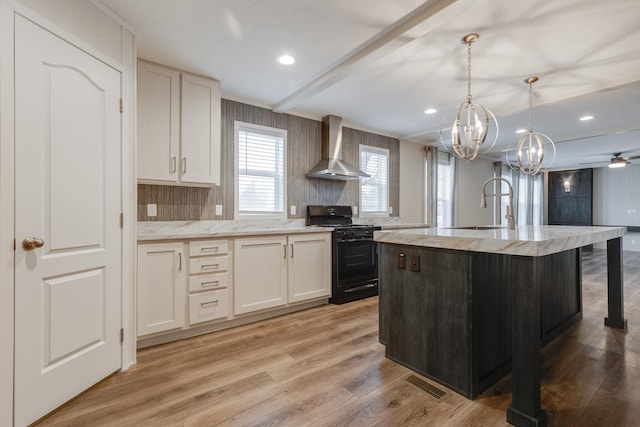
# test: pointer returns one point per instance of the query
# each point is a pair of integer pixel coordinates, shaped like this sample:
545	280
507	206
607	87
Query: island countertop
525	240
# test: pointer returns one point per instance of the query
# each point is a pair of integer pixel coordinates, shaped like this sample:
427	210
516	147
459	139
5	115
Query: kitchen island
465	306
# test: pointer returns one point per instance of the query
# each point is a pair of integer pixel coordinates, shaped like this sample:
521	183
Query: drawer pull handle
208	266
214	248
208	303
210	284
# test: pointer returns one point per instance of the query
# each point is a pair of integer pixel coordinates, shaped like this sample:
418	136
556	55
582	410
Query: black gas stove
355	256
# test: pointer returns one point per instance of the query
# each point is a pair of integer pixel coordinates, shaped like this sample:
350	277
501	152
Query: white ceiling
380	63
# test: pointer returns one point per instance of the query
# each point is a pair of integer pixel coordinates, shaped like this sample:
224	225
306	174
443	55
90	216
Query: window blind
374	191
260	171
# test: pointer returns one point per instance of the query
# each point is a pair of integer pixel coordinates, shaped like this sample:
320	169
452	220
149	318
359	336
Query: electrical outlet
152	209
402	261
355	210
292	210
390	210
218	210
415	263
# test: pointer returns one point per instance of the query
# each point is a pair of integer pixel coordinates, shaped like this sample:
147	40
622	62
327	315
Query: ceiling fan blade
593	163
632	157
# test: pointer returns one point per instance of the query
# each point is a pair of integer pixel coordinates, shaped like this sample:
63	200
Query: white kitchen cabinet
161	287
260	273
278	270
208	281
178	127
309	266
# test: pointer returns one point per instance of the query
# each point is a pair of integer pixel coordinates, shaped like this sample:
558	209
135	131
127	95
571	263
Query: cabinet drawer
208	247
208	265
208	306
208	281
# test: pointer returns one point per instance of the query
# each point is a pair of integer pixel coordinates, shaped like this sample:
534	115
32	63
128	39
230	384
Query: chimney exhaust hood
332	166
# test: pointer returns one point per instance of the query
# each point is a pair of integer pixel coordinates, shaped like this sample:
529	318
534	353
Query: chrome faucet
511	223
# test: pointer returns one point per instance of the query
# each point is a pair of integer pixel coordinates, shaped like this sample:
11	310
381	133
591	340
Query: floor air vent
426	386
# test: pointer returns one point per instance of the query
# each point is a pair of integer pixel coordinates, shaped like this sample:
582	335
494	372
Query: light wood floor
325	367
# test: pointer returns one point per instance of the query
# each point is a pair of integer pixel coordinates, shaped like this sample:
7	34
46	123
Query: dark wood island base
466	318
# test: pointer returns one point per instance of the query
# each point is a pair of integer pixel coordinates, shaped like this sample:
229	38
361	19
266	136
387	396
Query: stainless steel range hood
332	166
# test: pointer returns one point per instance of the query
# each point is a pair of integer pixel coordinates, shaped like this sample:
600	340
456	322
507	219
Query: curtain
431	185
527	194
439	188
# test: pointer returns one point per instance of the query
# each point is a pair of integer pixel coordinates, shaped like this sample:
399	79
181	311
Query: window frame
267	130
380	151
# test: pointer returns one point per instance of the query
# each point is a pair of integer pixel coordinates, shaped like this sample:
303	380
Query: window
260	171
374	191
444	192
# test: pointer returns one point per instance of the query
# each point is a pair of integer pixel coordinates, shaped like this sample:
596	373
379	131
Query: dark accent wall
573	207
303	152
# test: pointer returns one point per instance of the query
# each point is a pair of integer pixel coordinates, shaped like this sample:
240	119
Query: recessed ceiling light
521	131
586	118
286	59
430	111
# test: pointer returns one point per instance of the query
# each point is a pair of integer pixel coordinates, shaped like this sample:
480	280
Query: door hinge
14	244
121	106
121	220
121	335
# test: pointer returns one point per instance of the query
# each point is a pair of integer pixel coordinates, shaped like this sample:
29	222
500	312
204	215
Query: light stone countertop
525	240
166	230
169	230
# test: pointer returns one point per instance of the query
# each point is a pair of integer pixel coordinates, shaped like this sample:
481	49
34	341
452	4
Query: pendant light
470	130
530	151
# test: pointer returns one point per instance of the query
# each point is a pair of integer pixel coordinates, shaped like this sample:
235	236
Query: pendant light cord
469	72
530	105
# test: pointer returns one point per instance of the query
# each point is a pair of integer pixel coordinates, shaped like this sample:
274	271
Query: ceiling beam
338	71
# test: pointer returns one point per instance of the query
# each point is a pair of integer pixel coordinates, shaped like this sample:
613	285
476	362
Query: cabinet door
309	266
158	123
260	273
200	130
161	287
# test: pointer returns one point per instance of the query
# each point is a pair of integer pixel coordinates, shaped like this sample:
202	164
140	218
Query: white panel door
158	123
309	266
260	273
162	287
68	195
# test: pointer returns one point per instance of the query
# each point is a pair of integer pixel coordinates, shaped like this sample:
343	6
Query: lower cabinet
188	284
309	266
273	271
161	287
260	273
208	280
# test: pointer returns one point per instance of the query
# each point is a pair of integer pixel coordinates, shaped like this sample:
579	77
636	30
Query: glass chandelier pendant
469	131
531	146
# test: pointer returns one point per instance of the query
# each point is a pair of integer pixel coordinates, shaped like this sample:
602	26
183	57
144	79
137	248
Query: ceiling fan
620	162
617	161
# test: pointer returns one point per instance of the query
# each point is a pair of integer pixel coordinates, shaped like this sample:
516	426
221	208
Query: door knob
30	243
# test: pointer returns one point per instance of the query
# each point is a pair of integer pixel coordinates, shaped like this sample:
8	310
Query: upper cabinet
178	127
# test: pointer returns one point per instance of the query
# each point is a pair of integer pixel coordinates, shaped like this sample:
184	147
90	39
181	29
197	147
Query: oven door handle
366	239
360	288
